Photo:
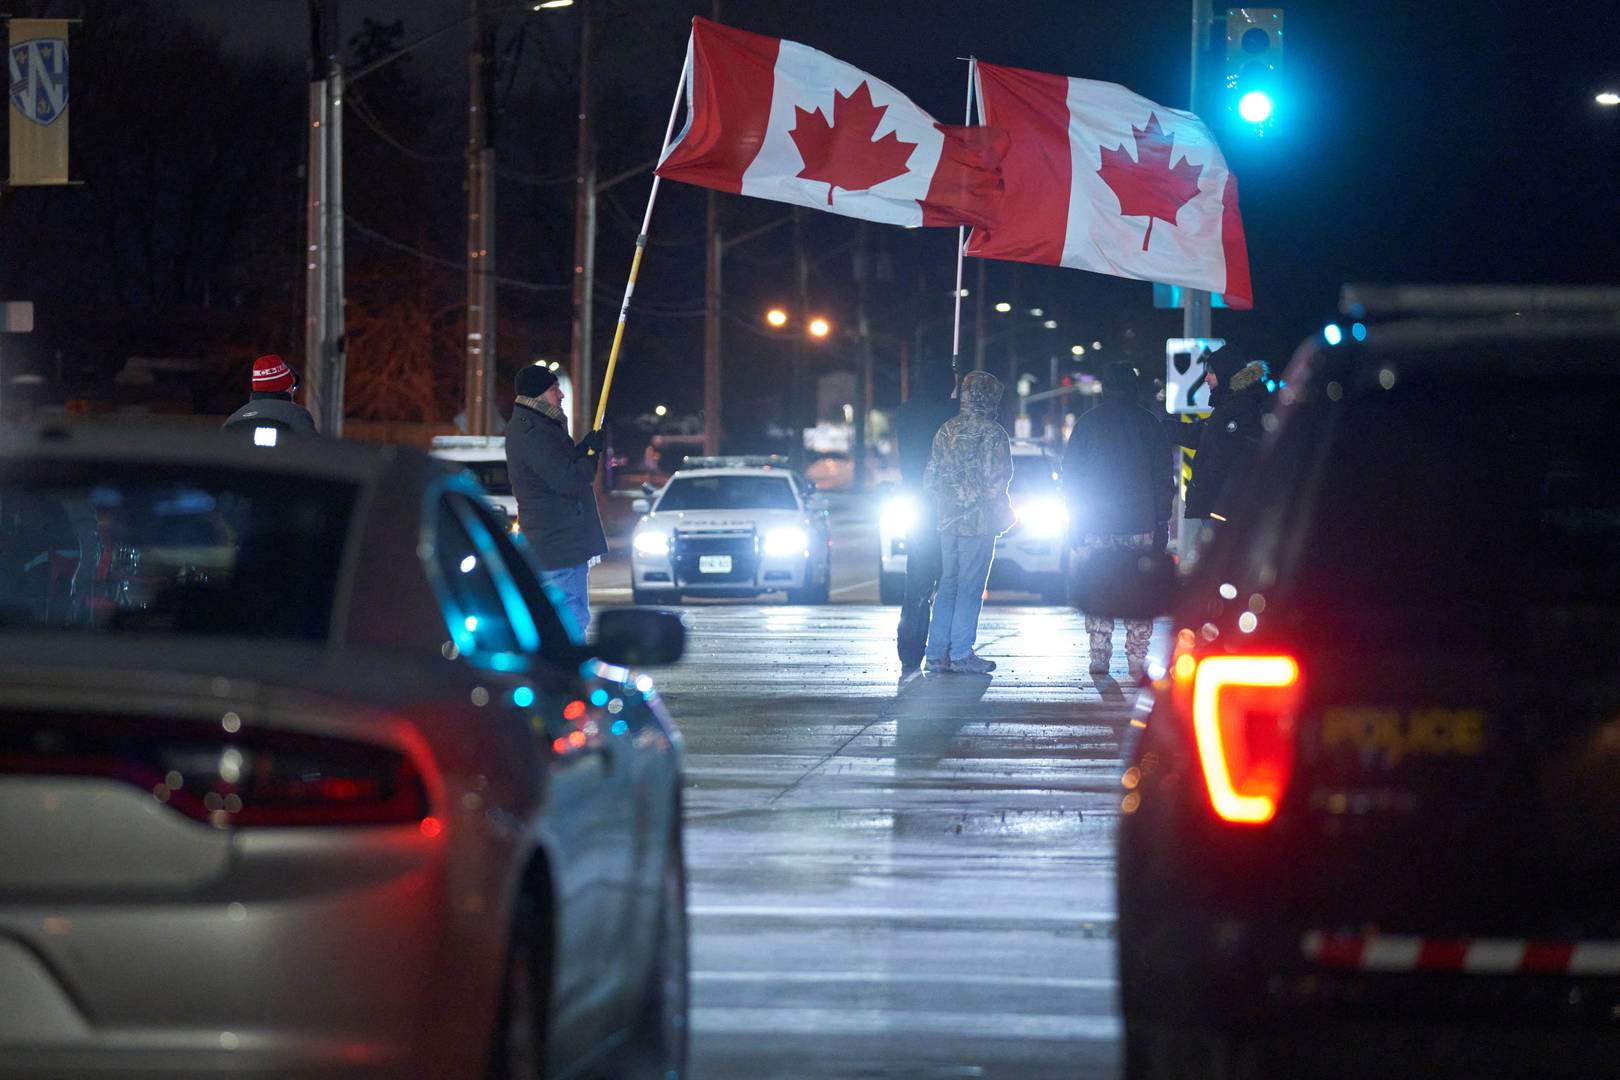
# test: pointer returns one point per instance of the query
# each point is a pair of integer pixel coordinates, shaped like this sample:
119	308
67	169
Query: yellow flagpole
641	245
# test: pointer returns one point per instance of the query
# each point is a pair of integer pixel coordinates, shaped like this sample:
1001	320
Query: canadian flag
1106	180
778	120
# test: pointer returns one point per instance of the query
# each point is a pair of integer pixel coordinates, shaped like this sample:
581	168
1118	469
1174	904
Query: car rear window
491	476
1485	499
132	550
728	493
1032	475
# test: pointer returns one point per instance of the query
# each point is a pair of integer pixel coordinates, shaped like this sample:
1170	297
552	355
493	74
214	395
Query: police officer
271	404
553	480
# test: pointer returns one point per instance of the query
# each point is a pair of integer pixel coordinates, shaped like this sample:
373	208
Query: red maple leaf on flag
843	154
1148	186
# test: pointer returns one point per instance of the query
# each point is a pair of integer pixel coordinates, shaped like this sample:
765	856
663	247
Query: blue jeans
964	568
569	590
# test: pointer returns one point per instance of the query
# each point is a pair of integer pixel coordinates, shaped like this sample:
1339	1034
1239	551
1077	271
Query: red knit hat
271	375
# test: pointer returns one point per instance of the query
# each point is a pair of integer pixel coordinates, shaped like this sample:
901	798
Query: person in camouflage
968	472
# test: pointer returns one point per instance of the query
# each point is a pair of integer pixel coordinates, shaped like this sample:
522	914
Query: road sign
1184	388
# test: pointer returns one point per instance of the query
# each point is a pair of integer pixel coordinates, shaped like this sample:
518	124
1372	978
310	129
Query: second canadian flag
1092	167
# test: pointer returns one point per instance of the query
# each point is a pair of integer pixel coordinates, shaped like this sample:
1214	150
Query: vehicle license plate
714	564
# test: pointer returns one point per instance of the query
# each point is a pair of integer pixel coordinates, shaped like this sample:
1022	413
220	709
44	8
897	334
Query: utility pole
584	234
323	263
480	373
796	374
1195	321
863	381
714	249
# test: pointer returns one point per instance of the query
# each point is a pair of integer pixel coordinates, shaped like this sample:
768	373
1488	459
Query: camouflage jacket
971	464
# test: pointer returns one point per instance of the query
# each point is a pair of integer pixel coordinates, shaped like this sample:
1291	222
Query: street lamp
549	4
820	328
660	410
1003	307
1609	98
1078	350
776	317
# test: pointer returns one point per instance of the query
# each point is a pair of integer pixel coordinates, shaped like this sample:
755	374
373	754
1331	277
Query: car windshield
491	476
125	550
1491	501
728	493
1032	475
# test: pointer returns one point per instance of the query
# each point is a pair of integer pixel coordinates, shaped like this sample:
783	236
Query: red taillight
229	779
1243	719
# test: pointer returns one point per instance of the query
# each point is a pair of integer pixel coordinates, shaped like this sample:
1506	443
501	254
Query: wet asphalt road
896	880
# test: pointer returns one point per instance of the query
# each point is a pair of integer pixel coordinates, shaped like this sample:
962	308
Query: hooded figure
1117	481
1227	438
271	403
967	475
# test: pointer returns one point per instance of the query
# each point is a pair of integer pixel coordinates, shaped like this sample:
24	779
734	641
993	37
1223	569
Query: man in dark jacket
1224	442
1117	476
553	481
271	405
915	424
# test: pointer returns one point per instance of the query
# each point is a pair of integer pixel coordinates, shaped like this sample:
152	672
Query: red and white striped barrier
1480	956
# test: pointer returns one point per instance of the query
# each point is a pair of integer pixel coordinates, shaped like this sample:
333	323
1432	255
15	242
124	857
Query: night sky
1439	142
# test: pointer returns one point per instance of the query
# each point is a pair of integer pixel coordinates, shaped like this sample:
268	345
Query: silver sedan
301	775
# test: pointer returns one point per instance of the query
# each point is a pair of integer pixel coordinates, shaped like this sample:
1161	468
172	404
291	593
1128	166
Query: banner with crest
38	61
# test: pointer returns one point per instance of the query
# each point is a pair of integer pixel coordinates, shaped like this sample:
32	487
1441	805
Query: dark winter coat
1118	474
1225	440
915	425
552	480
271	411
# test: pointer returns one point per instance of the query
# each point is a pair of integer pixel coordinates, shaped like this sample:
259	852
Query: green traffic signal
1254	47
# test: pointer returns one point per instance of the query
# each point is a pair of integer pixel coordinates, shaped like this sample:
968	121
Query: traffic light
1254	51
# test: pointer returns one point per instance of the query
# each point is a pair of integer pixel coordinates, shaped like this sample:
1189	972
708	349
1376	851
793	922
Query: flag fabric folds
778	120
1105	180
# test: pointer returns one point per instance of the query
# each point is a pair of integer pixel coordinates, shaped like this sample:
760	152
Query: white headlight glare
1044	517
787	541
651	543
899	515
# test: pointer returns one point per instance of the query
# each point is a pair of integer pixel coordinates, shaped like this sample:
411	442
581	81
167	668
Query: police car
1032	556
1372	824
485	457
732	526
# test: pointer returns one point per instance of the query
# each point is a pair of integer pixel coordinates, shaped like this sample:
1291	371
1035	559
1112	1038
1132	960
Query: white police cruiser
1032	556
732	526
485	457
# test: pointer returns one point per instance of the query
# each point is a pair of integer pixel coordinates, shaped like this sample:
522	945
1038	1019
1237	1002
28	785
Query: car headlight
789	541
1044	517
900	515
651	543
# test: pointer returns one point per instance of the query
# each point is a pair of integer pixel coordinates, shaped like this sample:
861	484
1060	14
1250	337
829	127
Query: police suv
1372	826
732	526
1032	556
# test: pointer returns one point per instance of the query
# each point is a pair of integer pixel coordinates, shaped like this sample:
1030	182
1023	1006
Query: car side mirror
641	506
639	637
1118	583
647	489
817	504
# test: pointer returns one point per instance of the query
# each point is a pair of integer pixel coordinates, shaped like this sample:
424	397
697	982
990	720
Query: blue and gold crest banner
38	66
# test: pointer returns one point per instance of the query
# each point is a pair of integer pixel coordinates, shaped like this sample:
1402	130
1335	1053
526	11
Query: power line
389	242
